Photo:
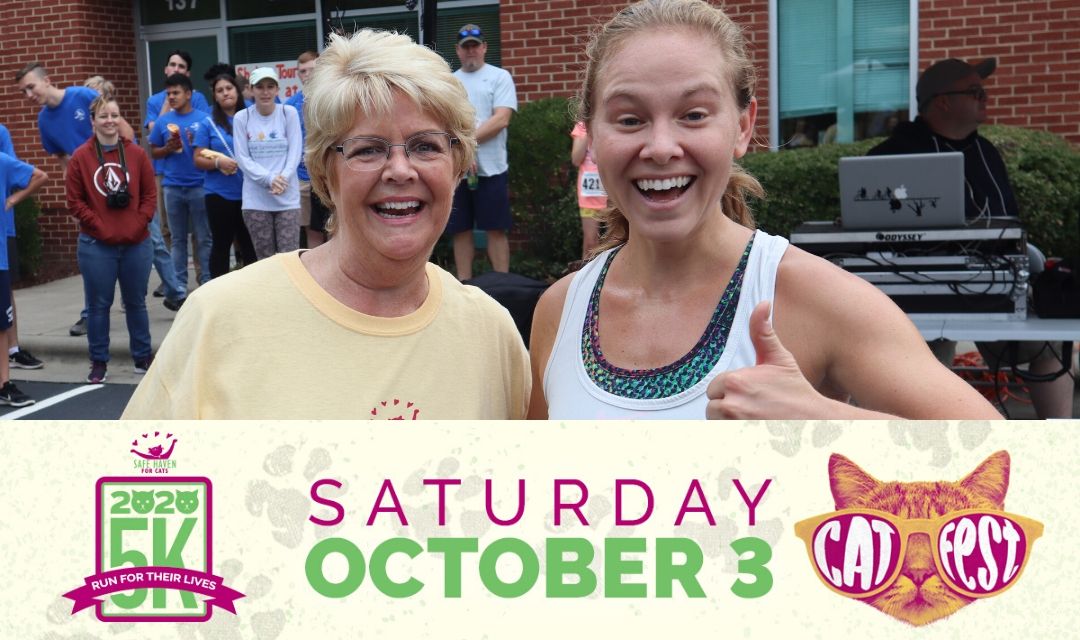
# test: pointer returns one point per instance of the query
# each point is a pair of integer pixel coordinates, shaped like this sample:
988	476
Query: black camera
118	199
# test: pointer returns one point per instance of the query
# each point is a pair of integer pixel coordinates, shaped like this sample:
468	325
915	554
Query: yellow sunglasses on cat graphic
859	552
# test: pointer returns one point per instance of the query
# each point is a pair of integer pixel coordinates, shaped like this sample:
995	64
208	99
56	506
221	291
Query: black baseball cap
941	76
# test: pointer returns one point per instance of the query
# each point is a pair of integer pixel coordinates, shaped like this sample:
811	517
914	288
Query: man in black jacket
952	105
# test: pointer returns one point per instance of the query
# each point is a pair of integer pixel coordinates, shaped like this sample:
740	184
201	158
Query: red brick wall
543	43
73	40
1037	43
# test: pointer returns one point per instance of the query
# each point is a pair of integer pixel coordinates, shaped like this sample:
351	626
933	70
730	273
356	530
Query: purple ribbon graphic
128	578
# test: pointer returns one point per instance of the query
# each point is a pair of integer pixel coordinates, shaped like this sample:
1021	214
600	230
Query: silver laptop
914	191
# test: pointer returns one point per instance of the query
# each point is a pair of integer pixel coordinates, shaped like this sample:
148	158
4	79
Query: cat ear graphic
848	481
991	478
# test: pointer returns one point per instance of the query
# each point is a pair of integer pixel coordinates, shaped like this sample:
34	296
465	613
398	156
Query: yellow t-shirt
267	342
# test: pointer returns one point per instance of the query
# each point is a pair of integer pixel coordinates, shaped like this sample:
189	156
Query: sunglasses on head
465	33
859	552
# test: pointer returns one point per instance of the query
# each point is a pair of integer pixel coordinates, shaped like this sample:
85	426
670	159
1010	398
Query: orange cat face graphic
919	551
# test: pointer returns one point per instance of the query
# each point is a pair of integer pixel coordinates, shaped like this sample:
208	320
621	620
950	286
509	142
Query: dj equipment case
933	273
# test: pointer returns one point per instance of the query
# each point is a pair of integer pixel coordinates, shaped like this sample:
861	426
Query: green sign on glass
169	11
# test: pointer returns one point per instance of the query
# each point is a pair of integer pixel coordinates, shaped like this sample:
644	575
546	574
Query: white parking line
48	402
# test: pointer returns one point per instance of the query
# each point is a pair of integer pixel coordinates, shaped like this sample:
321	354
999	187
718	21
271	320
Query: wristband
217	164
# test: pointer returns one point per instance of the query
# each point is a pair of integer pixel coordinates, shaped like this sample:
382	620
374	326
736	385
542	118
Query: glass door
203	47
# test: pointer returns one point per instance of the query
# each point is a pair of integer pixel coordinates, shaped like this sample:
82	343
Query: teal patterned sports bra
672	379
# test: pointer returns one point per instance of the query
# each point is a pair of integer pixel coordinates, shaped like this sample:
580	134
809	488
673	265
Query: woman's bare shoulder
813	283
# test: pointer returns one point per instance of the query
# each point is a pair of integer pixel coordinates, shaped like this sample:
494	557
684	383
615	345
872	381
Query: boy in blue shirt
20	180
64	119
63	122
17	358
178	61
171	140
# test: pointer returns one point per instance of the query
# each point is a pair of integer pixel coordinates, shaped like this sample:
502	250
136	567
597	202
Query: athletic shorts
7	318
486	208
588	213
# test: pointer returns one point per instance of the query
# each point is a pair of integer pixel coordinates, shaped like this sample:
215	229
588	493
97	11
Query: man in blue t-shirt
63	122
171	140
64	119
177	61
17	180
17	358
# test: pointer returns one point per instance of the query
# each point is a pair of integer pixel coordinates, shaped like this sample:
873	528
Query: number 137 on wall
180	5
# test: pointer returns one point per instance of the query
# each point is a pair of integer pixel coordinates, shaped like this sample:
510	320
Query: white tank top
573	395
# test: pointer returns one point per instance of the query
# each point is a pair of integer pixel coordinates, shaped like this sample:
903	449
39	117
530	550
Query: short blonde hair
358	75
101	101
101	85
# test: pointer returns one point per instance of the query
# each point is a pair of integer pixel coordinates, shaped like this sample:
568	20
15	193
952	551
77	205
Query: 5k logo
154	553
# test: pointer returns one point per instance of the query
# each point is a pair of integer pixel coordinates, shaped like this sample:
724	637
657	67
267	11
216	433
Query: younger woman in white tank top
674	318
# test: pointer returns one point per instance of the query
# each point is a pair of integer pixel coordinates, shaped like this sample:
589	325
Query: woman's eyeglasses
367	153
978	552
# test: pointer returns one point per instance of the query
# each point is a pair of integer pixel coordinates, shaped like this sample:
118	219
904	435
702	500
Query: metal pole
428	32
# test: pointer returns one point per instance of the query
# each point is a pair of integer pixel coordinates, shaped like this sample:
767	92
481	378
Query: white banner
288	79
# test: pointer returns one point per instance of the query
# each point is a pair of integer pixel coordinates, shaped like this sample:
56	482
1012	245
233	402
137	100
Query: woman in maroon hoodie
110	189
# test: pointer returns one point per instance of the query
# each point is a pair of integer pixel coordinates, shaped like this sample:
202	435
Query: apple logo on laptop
898	194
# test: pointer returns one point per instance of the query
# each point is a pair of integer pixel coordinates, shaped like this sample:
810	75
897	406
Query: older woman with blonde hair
362	327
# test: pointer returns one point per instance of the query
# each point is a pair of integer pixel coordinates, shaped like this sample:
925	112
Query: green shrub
543	193
28	237
802	185
1045	174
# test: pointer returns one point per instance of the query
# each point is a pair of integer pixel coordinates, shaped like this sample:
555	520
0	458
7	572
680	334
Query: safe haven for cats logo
151	453
919	551
153	550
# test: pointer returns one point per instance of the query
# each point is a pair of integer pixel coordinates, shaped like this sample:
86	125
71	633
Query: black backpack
1056	291
517	293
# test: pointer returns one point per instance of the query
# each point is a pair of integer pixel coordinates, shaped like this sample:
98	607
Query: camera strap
120	151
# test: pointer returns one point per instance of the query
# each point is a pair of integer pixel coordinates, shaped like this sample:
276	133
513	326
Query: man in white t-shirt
483	199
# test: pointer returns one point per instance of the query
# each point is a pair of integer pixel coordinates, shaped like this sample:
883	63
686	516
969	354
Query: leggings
273	231
227	226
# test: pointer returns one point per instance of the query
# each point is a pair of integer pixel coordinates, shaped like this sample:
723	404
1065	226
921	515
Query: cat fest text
569	570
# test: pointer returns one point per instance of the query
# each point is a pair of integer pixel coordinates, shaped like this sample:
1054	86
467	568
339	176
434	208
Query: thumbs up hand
773	388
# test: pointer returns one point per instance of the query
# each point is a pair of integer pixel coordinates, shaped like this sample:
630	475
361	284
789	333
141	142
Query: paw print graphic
395	410
287	507
261	619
